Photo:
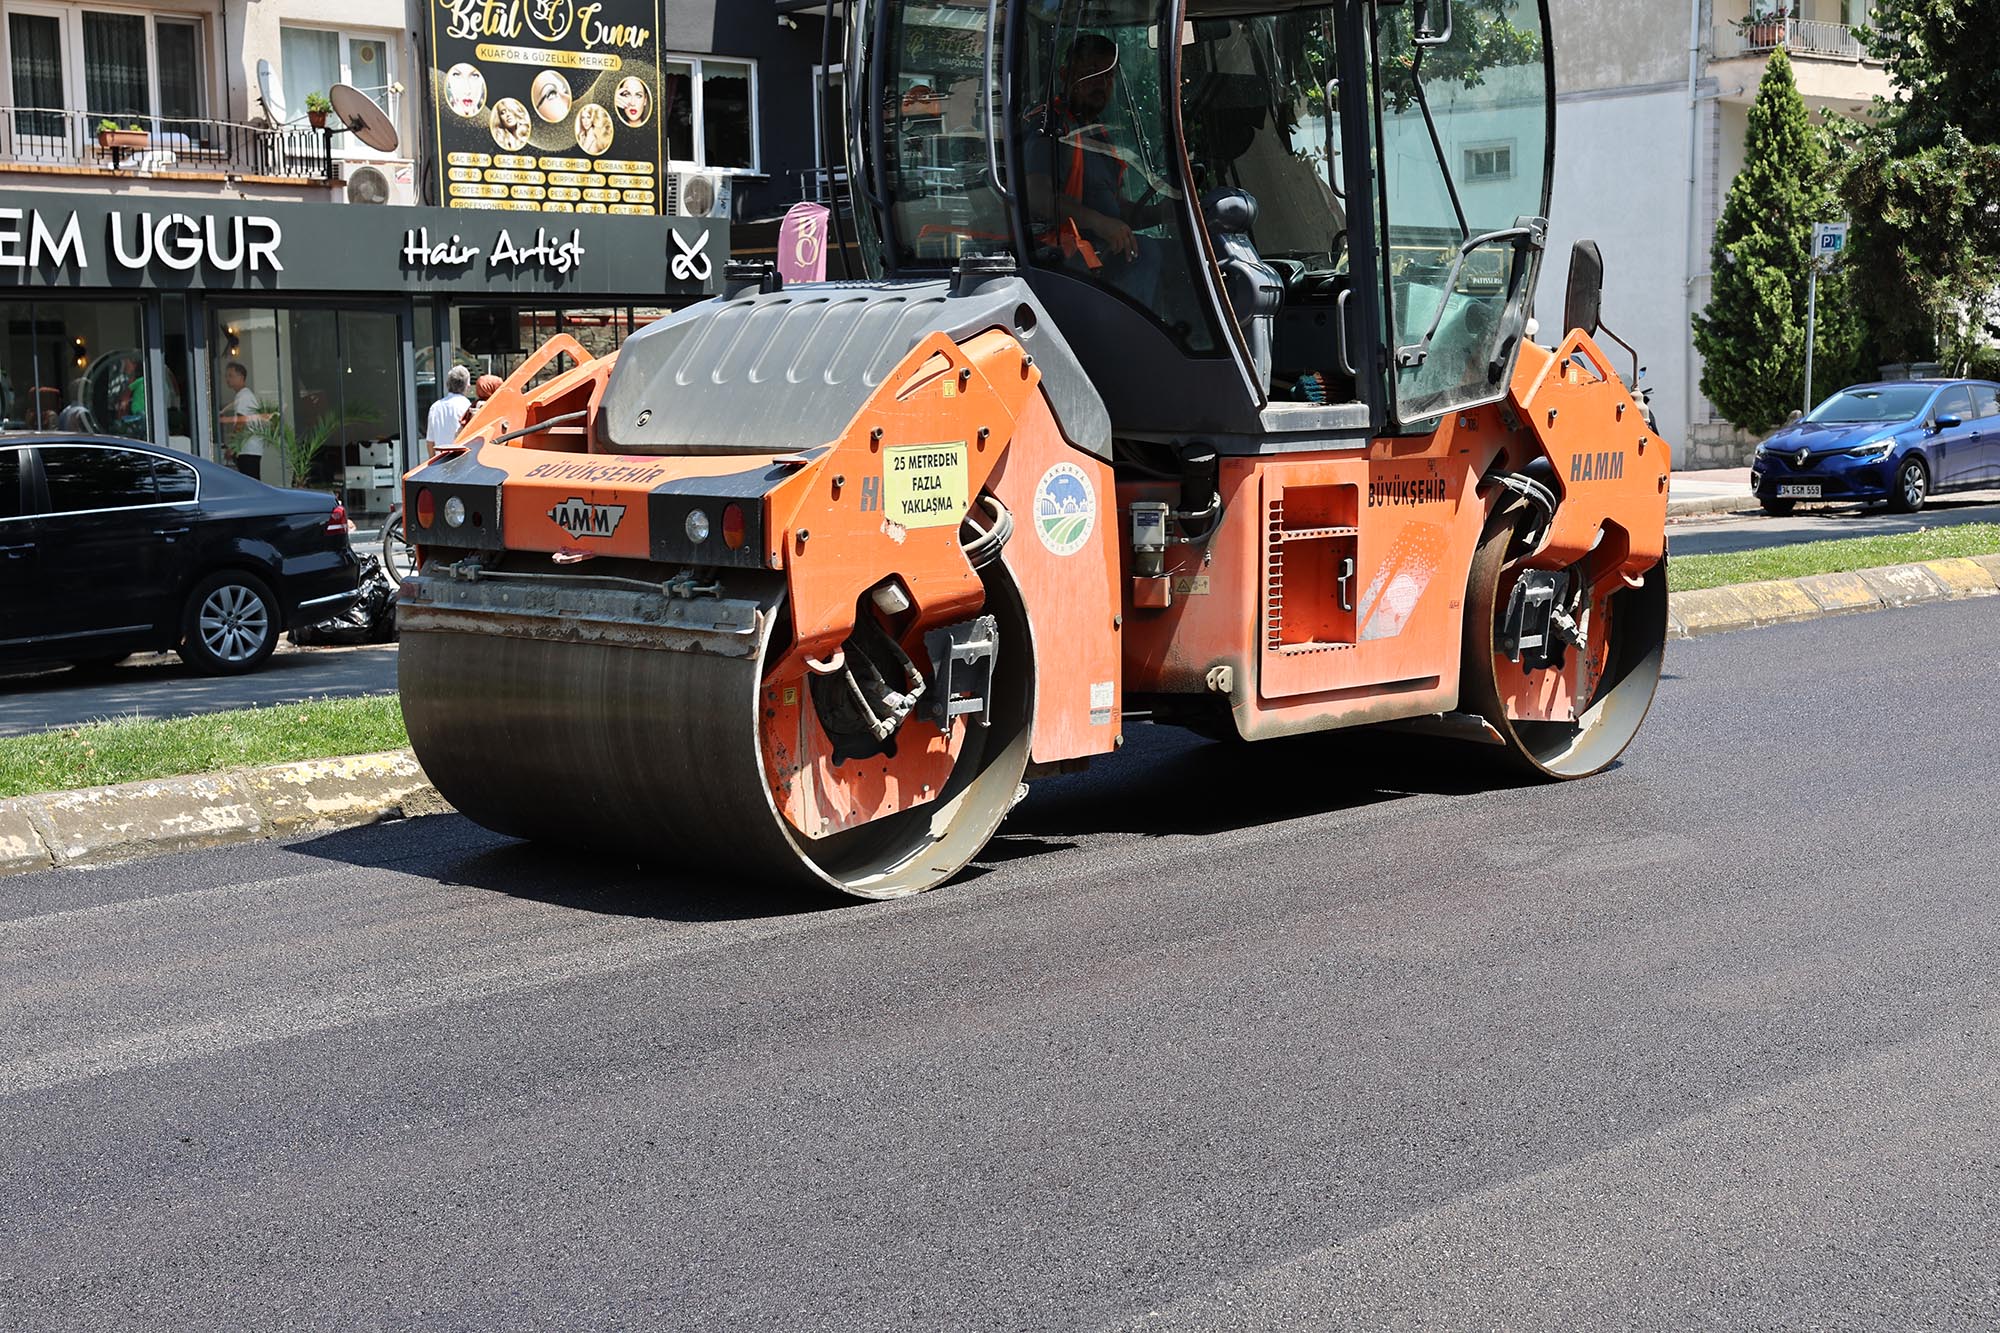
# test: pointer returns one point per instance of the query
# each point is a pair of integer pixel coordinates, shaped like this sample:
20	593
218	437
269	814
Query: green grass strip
1691	572
130	749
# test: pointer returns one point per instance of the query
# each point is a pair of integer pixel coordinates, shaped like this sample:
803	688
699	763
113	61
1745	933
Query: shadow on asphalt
1165	782
458	853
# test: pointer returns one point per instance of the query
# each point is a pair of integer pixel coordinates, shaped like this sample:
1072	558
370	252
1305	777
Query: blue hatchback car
1898	442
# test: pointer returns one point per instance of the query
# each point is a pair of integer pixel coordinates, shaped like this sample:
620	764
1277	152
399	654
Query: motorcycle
369	618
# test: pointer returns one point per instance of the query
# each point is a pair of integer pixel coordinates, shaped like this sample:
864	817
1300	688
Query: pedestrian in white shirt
242	417
441	427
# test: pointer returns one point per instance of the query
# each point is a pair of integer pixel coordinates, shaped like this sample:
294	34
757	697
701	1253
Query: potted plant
317	107
112	135
1762	30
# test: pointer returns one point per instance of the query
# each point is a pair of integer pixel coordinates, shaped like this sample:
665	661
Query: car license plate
1797	490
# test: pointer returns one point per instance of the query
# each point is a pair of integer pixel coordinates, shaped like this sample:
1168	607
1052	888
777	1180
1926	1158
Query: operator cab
1248	218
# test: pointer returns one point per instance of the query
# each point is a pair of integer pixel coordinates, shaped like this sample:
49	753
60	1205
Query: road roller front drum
710	756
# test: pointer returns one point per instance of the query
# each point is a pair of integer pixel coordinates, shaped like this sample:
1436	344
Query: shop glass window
329	378
78	366
83	479
711	113
174	483
10	483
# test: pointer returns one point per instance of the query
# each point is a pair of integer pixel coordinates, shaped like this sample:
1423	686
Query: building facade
176	231
1653	104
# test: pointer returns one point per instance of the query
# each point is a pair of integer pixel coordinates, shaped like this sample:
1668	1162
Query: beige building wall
1644	160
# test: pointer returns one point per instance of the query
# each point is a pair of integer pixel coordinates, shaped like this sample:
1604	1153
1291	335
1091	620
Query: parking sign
1829	239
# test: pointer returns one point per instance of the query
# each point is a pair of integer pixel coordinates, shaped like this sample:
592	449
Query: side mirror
1947	422
1584	305
1797	416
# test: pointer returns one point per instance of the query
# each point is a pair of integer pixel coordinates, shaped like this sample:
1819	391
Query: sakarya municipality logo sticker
1065	509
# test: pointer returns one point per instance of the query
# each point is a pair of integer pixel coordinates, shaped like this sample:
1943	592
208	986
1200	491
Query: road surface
1706	536
1211	1038
161	685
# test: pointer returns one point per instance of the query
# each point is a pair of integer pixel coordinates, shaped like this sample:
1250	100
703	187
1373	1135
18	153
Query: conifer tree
1752	336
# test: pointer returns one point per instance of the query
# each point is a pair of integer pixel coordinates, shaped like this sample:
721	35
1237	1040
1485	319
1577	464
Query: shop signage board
50	240
547	105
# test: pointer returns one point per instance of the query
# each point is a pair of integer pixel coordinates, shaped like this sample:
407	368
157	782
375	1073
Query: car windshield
1897	402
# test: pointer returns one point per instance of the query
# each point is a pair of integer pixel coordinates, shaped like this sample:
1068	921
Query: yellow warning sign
925	485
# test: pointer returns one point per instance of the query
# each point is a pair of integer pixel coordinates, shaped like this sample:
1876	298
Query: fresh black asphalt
1299	1036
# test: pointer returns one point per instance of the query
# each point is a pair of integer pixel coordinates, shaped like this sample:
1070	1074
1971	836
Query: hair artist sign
52	241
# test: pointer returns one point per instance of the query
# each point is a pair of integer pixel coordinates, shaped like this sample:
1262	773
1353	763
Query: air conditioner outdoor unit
378	183
698	194
367	185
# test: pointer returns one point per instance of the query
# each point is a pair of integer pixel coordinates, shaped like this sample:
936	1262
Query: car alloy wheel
230	624
234	623
1913	484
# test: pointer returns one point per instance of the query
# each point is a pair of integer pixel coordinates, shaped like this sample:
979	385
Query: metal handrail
1807	37
163	144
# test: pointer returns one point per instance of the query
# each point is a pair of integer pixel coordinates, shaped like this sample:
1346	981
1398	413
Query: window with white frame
311	60
127	66
1489	162
711	113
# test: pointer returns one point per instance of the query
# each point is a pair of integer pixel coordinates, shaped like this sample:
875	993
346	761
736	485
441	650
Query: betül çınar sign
47	240
548	105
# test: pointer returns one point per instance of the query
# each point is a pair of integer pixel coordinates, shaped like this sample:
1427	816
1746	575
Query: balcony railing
1800	37
56	137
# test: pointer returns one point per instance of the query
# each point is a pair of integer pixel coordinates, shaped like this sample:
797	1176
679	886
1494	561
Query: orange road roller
1196	378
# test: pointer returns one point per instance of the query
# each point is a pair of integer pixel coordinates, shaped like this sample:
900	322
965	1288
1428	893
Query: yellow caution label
925	485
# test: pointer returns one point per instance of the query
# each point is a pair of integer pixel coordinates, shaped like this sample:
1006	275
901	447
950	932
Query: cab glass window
1103	180
81	478
173	483
10	483
1461	245
937	117
1987	399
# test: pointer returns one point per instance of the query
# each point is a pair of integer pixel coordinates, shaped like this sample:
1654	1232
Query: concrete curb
81	828
100	824
1711	504
1782	601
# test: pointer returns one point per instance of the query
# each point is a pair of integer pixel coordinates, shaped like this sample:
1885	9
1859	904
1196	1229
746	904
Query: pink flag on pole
802	243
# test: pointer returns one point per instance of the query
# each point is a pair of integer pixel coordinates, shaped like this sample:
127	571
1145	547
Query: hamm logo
580	518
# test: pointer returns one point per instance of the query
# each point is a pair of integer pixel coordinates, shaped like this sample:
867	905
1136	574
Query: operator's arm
1045	201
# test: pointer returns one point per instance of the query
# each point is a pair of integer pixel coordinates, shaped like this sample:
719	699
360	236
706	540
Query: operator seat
1256	291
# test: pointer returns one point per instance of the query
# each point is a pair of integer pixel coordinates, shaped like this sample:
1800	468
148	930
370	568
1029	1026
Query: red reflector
337	520
426	507
732	527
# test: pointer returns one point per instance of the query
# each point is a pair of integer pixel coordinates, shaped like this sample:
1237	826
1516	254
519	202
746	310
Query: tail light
337	520
732	527
426	507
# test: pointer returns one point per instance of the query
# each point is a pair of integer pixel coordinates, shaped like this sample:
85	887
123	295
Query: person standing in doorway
441	427
242	421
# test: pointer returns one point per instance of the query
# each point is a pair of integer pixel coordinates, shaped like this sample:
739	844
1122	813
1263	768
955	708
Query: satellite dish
271	102
363	119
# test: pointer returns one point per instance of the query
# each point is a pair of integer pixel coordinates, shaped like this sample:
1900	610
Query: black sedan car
110	547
